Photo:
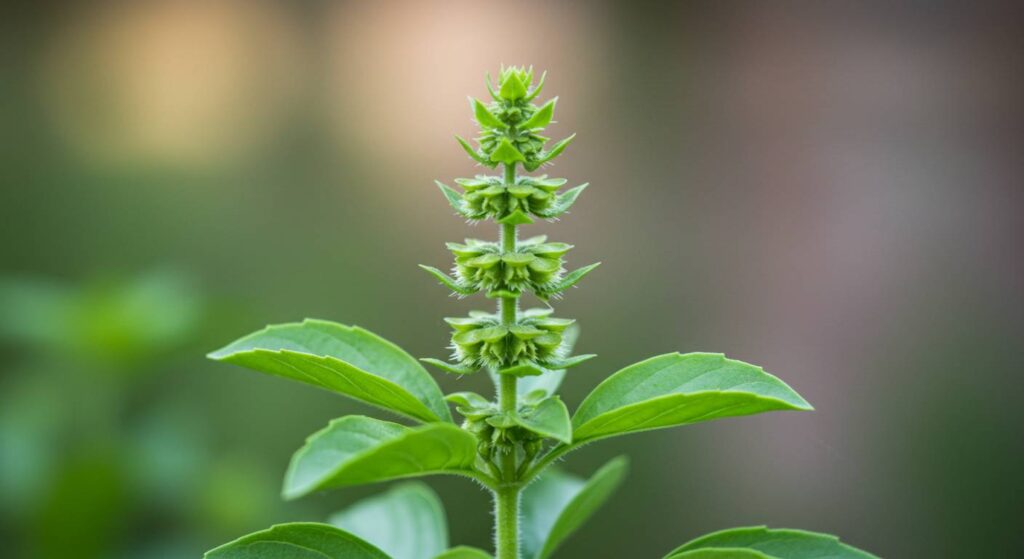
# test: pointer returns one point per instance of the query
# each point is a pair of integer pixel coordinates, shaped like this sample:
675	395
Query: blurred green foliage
118	480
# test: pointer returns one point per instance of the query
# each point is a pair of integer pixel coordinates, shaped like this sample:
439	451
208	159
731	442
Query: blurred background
829	189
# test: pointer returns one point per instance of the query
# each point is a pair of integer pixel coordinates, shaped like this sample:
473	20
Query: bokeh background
829	189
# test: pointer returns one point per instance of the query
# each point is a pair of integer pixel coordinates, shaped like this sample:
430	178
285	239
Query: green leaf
570	362
490	87
511	88
455	369
564	202
448	281
484	116
343	359
675	389
453	197
554	152
550	419
557	504
542	117
464	552
473	153
468	400
300	540
356	450
771	543
406	521
506	153
523	370
536	91
571	279
721	553
517	217
550	380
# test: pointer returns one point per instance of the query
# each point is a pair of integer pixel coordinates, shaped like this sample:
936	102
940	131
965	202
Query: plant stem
506	511
506	498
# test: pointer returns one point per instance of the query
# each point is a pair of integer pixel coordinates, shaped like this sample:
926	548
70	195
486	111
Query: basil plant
507	443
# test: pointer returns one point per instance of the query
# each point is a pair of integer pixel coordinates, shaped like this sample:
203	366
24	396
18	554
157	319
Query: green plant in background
89	442
507	444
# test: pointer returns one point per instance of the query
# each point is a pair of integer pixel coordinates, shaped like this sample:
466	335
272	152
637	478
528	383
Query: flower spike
510	342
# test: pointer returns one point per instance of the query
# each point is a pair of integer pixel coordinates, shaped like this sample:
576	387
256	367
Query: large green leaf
301	540
355	450
722	553
675	389
344	359
406	522
557	504
770	543
464	552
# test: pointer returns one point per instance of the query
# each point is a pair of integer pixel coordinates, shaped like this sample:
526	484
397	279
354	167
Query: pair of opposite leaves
663	391
408	522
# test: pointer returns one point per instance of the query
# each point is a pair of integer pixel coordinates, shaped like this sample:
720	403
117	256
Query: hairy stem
506	512
506	498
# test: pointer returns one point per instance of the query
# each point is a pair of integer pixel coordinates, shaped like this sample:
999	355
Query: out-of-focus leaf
35	311
117	322
406	521
356	450
300	540
31	416
464	552
767	542
675	389
90	501
343	359
722	553
557	504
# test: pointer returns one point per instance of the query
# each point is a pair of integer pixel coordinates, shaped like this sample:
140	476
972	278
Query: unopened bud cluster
498	432
483	341
535	266
487	196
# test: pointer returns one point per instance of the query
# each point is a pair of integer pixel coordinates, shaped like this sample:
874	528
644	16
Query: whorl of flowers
510	129
519	343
